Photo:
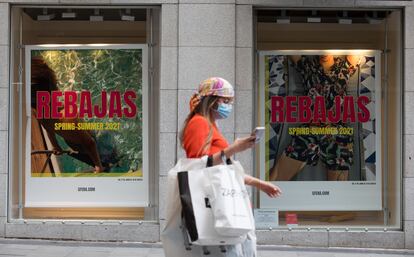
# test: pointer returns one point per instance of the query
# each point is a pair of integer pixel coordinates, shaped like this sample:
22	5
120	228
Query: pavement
48	248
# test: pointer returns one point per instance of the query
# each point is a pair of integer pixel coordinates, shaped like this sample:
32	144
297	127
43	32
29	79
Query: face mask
223	110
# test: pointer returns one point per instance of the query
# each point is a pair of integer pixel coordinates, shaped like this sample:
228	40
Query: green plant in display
100	70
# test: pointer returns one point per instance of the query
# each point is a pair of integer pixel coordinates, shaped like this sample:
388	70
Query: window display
321	110
86	110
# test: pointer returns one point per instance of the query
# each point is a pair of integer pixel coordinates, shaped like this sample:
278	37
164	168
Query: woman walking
200	136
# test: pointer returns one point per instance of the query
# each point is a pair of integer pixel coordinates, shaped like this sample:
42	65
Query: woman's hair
204	108
43	78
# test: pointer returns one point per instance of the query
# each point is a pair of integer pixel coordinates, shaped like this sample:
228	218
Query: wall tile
409	113
183	107
3	221
409	27
199	63
3	194
167	153
408	198
163	184
368	3
244	26
409	234
84	2
144	2
169	25
281	3
4	108
244	111
48	231
4	67
408	156
162	225
30	1
168	110
329	3
387	240
244	68
294	238
207	1
169	67
206	25
144	232
180	152
409	69
4	24
3	152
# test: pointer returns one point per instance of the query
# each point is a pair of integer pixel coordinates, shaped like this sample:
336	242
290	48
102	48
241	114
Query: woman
200	136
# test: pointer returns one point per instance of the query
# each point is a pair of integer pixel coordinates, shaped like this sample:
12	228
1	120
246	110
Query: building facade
181	44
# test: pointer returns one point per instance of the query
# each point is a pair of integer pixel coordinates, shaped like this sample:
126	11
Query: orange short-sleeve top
195	135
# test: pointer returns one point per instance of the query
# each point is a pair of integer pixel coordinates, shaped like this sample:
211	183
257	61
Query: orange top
195	135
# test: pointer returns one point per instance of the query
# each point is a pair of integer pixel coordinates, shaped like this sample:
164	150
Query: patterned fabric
335	151
214	86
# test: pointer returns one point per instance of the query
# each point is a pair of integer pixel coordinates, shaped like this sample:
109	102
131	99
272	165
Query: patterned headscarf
213	86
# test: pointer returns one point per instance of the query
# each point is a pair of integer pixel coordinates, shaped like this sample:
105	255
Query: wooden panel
273	36
338	218
83	32
84	213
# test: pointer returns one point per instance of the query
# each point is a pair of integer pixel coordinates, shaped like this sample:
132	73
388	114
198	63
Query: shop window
80	100
329	94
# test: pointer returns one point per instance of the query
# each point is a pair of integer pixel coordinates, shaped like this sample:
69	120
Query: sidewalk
46	248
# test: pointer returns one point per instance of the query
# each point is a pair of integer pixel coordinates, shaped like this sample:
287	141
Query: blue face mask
223	110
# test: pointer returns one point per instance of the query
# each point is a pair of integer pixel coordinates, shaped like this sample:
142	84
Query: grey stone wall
4	99
408	174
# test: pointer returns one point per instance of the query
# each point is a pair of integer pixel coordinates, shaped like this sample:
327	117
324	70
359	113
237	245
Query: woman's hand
270	189
241	144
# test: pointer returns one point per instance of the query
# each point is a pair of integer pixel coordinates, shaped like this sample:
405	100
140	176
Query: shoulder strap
210	161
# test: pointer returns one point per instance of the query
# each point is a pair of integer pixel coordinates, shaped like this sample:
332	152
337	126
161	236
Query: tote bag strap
210	161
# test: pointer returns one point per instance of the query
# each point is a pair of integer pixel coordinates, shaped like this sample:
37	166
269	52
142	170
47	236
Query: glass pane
82	56
335	173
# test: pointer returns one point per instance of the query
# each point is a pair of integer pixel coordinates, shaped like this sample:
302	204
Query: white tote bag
171	235
197	211
229	199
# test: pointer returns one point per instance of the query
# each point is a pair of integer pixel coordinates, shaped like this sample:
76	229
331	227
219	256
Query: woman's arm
239	145
270	189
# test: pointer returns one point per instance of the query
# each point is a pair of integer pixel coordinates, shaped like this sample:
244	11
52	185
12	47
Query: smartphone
259	133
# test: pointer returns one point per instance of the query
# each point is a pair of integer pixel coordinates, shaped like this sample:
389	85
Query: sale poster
86	109
322	114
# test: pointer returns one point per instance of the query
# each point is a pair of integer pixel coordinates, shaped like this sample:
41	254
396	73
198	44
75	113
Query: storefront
329	82
329	94
93	162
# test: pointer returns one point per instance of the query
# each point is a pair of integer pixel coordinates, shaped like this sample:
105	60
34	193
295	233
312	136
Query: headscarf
213	86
